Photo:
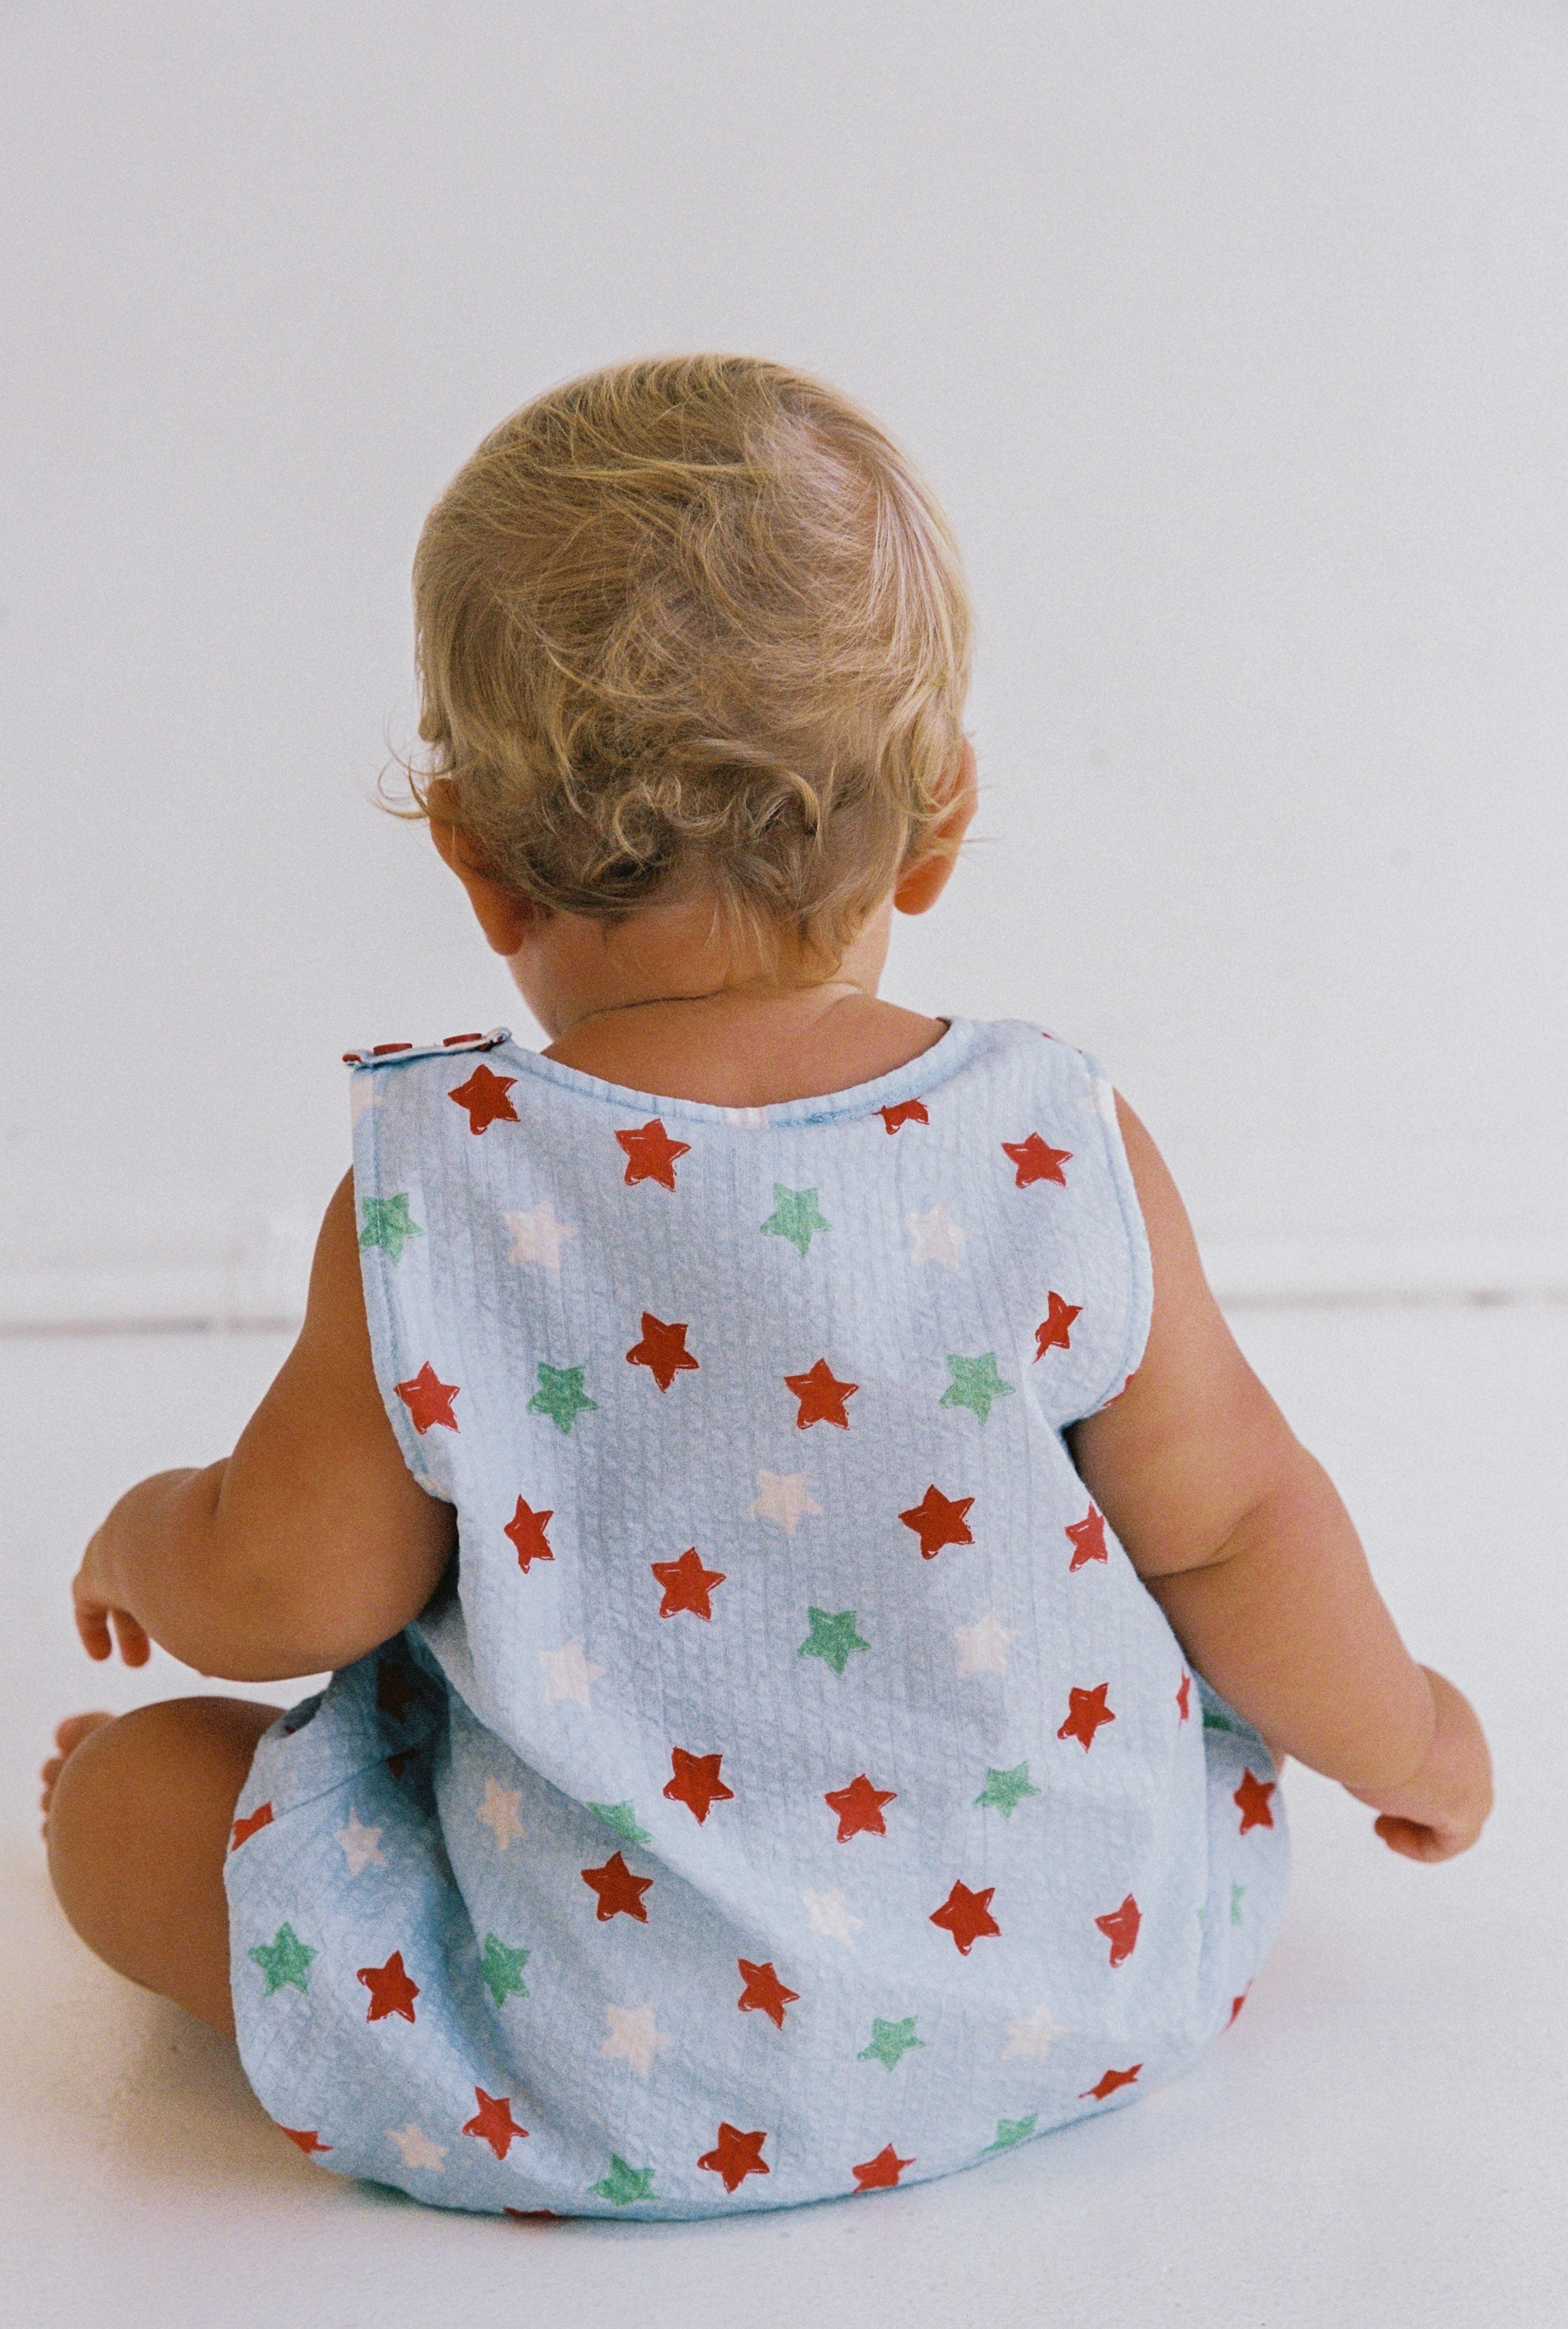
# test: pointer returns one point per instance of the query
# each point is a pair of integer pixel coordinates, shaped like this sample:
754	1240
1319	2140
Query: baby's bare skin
312	1543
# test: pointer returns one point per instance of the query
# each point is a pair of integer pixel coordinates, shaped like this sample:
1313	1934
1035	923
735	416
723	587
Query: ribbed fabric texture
794	1791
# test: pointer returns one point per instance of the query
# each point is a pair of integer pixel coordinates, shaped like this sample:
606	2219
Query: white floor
1383	2137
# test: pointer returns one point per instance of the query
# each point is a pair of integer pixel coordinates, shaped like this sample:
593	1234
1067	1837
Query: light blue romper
793	1791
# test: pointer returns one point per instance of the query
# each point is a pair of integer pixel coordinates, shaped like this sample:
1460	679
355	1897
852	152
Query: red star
1036	1161
399	1763
663	1351
734	2155
764	1992
1087	1538
881	2174
493	2122
395	1690
429	1399
1121	1930
1236	2005
620	1892
651	1154
1053	1333
1086	1711
1109	2084
696	1782
484	1098
1251	1799
822	1396
907	1111
526	1530
967	1916
687	1584
391	1990
244	1829
1183	1695
859	1807
309	2140
938	1520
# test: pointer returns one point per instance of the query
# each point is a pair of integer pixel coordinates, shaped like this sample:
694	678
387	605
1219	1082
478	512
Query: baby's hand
97	1609
1443	1808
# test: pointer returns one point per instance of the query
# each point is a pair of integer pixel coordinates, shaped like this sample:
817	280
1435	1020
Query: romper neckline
945	1057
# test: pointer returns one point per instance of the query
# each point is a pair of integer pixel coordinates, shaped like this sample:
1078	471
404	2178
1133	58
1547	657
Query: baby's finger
92	1625
1414	1842
134	1646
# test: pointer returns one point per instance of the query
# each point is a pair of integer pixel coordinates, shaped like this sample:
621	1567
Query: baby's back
796	1790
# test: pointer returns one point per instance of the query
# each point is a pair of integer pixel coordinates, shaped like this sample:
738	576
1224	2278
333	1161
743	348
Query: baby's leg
139	1820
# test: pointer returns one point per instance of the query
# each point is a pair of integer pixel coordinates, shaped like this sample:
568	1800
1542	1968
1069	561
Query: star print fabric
792	1791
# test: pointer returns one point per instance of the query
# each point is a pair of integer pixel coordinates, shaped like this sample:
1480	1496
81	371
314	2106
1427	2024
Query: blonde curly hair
692	616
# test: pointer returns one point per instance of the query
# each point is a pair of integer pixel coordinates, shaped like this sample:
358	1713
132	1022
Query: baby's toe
69	1737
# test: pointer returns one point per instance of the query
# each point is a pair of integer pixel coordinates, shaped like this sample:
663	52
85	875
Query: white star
538	1236
830	1918
416	2146
935	1236
1032	2035
499	1813
785	1497
569	1675
984	1646
360	1845
632	2037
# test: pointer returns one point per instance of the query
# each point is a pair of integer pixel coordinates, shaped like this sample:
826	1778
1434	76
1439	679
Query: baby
817	1602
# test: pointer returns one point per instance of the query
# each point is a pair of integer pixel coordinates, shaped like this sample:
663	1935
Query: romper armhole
1138	1277
383	1311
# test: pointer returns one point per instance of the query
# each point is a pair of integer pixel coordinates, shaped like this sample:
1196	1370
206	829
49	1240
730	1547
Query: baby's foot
68	1738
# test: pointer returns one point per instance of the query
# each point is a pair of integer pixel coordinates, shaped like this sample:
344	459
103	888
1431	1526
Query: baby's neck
749	1047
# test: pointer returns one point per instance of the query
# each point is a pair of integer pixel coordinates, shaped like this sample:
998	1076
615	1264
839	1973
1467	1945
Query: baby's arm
1240	1535
303	1549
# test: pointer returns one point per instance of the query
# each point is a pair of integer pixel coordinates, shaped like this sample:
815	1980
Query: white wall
1232	335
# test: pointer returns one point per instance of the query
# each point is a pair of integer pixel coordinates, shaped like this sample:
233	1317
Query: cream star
538	1236
935	1236
1033	2034
632	2037
830	1918
499	1813
983	1646
363	1091
360	1845
416	2146
785	1499
569	1675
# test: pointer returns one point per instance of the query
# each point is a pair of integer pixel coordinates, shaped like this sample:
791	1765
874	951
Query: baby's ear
921	883
505	918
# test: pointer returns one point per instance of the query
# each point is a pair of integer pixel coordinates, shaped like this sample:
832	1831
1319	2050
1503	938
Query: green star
624	2185
1236	1893
284	1959
1003	1791
890	2042
975	1385
502	1970
388	1224
561	1395
832	1639
794	1216
1013	2130
622	1818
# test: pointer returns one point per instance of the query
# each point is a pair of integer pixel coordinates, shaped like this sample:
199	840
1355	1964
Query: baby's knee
128	1793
